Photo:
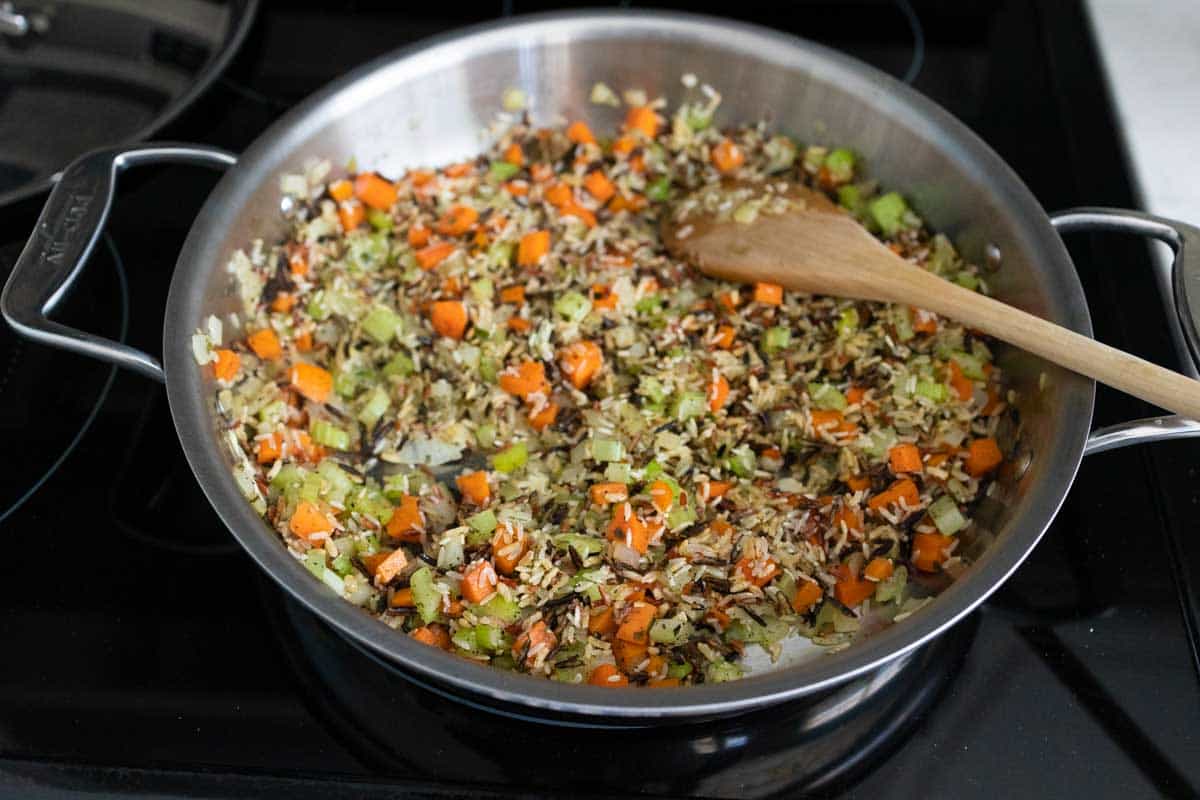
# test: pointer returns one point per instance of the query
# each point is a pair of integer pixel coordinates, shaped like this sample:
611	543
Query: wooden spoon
808	244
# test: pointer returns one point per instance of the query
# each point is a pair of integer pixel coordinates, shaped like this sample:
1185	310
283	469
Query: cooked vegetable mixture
484	404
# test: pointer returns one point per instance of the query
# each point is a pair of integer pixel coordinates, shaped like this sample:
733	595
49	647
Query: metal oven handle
61	243
1184	241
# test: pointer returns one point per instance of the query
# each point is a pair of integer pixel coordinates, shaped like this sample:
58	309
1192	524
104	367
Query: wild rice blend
665	469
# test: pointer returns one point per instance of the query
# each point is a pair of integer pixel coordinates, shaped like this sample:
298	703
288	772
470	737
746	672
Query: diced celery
464	639
502	170
946	516
607	450
483	290
337	483
489	637
381	324
367	252
826	396
273	413
742	461
879	441
814	157
943	259
330	435
750	631
903	323
931	390
501	254
670	630
847	322
314	561
618	472
681	670
426	597
380	220
373	409
488	369
289	475
511	458
584	545
844	623
342	566
980	350
688	405
850	197
368	545
504	661
967	281
889	211
371	501
310	487
572	306
652	388
840	165
971	366
400	364
722	671
395	485
776	339
498	607
659	190
680	516
317	308
892	588
650	304
652	471
345	383
485	435
568	674
780	152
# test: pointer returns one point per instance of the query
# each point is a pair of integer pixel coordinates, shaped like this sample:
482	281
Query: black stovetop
142	651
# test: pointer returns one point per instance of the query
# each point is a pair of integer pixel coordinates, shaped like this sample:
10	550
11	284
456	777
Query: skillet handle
1184	241
61	243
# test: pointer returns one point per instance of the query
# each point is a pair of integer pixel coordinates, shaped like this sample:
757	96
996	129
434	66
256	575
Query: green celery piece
345	383
485	435
330	435
584	545
650	304
483	290
489	638
722	671
511	458
426	597
400	364
931	390
502	170
373	409
572	306
780	152
888	211
652	471
464	639
971	366
670	630
380	220
337	483
342	565
381	324
946	516
742	461
688	405
826	396
840	164
679	670
847	322
967	281
499	607
660	189
606	450
652	388
618	472
314	561
680	516
488	369
776	339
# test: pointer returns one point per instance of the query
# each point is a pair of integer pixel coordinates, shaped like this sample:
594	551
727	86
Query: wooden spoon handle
1136	376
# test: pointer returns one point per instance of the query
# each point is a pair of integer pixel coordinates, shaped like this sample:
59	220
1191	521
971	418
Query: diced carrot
508	548
351	214
474	486
807	595
937	459
602	621
711	490
573	209
558	195
662	496
517	188
433	254
928	550
518	324
225	368
525	379
636	626
297	261
599	186
457	220
544	417
449	318
452	287
541	172
720	617
309	521
858	483
304	341
311	381
832	422
480	239
283	302
729	300
637	162
579	133
624	145
603	298
513	294
421	177
923	321
418	236
433	635
850	590
727	156
718	392
269	449
724	337
604	493
849	516
513	154
983	456
903	489
265	344
402	598
406	522
375	191
963	386
904	457
769	293
607	675
758	572
644	119
341	190
386	569
855	394
539	640
533	248
879	569
479	580
630	202
459	170
304	448
628	527
993	403
581	361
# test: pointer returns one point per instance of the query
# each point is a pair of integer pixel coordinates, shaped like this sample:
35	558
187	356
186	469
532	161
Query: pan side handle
66	233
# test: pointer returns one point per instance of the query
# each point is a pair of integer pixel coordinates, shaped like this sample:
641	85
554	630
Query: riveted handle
66	233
